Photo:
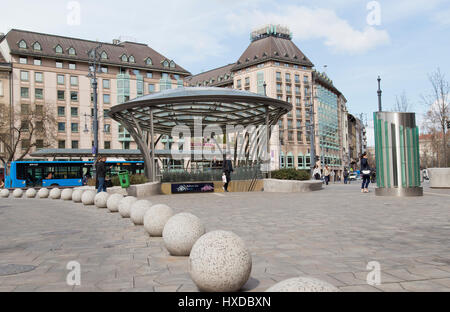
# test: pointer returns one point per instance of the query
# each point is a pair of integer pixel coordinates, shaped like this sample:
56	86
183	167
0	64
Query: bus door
28	174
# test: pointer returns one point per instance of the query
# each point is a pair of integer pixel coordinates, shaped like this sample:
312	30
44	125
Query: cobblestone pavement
331	234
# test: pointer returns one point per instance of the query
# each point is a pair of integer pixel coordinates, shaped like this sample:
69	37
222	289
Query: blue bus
21	174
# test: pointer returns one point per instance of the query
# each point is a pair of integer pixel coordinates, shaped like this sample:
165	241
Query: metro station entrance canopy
158	113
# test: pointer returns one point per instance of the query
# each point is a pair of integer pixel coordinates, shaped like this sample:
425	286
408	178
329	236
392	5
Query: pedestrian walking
346	173
227	169
100	168
326	174
333	176
365	171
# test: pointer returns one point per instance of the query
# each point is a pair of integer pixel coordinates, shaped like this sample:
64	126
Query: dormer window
72	51
286	55
37	46
255	57
295	56
124	58
148	61
22	44
166	63
104	56
58	49
247	59
131	59
264	54
275	53
172	64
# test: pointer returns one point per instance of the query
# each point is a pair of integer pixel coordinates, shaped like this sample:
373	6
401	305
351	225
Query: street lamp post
379	94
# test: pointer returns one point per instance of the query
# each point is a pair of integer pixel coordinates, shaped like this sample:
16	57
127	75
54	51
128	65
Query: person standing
316	172
326	173
100	168
345	175
227	169
365	171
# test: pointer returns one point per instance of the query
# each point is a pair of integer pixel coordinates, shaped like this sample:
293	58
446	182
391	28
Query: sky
403	41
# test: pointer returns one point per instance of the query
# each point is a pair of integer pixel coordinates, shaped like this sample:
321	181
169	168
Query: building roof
48	43
272	47
325	81
215	77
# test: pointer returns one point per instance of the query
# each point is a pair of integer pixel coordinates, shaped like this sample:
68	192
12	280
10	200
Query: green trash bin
124	178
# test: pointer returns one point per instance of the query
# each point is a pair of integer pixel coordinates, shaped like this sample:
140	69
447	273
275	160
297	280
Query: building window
1	87
104	69
104	55
105	113
124	58
151	88
126	145
22	44
74	143
290	135
297	78
105	83
300	161
288	77
38	77
37	46
72	66
61	126
39	110
61	111
23	60
74	80
247	81
39	93
74	111
72	51
39	144
288	89
290	161
131	59
172	64
279	88
61	95
278	76
166	63
277	63
61	144
25	144
149	75
25	109
148	61
37	62
58	49
305	79
239	83
107	144
74	96
59	64
106	99
298	113
24	92
60	79
107	128
23	75
74	127
286	65
297	89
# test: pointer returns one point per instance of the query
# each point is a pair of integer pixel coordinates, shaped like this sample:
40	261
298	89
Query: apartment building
52	71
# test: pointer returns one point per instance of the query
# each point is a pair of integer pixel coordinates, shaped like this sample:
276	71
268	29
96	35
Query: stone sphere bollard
66	194
76	195
138	210
220	262
113	202
100	199
30	193
181	232
302	284
17	193
125	206
55	193
156	218
4	193
43	193
88	197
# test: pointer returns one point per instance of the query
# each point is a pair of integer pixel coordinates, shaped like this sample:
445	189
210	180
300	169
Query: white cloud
307	23
443	17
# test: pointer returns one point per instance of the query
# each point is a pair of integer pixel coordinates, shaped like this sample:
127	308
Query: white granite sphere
18	193
220	262
88	197
138	210
30	193
302	284
125	205
113	202
100	199
66	194
156	218
76	195
181	232
4	193
55	193
43	193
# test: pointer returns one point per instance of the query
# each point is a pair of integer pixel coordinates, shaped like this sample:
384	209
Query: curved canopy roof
214	106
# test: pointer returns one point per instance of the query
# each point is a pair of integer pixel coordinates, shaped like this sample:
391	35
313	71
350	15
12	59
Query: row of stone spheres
219	261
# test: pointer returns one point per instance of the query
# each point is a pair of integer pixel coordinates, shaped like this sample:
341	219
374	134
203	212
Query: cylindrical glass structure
397	154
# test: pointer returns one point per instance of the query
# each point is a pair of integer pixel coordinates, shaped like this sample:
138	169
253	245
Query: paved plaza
330	234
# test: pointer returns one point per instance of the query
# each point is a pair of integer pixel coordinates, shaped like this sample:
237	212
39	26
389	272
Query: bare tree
21	131
402	103
438	108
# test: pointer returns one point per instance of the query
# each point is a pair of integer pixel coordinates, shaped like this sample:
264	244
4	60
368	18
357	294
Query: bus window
47	170
74	173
